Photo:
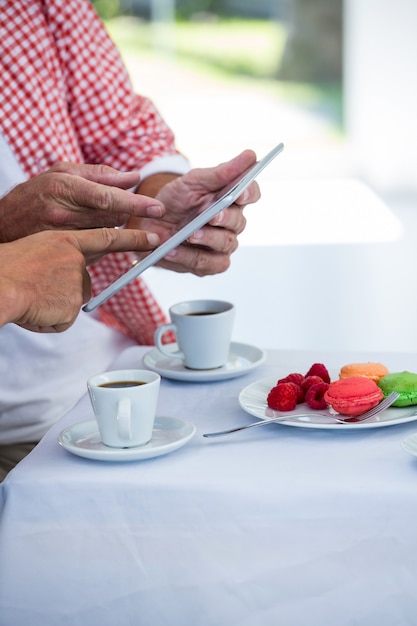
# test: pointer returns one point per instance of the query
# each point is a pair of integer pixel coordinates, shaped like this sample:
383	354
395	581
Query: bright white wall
381	90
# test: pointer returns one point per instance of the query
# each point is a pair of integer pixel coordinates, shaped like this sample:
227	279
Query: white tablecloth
274	526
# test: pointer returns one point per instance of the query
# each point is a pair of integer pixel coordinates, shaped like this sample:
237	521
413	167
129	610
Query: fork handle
383	405
282	418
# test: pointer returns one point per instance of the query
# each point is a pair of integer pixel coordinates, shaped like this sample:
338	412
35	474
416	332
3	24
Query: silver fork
384	404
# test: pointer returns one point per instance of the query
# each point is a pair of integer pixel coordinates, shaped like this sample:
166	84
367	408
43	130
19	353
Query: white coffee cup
203	330
124	403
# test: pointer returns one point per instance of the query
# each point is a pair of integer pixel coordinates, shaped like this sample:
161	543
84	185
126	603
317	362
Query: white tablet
228	197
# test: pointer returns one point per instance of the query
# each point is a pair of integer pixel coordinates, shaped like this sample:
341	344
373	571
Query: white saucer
242	359
169	433
410	444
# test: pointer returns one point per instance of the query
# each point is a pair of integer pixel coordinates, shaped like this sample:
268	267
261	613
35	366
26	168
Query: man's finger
103	240
217	177
110	200
99	174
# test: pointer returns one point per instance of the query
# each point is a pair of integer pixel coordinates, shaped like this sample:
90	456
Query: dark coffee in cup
120	384
202	313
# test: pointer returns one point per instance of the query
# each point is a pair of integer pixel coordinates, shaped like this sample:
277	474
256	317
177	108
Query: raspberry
282	397
297	379
300	393
315	396
318	369
292	378
311	380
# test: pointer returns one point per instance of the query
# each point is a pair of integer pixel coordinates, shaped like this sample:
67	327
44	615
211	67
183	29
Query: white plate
410	444
242	359
252	399
169	433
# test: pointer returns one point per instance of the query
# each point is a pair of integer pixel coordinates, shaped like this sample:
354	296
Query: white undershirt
11	174
42	376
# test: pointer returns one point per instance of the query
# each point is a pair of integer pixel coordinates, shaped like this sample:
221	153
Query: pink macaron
353	396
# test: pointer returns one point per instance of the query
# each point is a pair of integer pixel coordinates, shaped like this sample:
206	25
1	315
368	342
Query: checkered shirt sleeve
66	96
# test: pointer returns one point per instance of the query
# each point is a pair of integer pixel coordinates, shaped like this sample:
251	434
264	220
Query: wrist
11	308
154	183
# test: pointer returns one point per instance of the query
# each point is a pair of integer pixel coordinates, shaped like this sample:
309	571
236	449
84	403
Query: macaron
404	383
353	396
373	371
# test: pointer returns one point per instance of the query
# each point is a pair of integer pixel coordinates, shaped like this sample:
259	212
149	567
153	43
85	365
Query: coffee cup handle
161	330
124	423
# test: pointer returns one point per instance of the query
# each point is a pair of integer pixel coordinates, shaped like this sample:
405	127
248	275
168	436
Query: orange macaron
353	396
373	371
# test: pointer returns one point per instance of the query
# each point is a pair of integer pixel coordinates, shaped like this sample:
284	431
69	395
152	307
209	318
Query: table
272	526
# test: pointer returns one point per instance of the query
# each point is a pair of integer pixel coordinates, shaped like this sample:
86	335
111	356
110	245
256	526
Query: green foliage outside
230	46
232	50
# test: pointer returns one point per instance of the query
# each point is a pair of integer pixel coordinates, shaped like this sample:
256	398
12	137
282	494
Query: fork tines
384	404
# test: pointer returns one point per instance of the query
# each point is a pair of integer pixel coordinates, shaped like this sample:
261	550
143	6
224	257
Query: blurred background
328	258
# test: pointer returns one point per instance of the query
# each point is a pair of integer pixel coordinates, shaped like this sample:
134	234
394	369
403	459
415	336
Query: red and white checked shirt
65	96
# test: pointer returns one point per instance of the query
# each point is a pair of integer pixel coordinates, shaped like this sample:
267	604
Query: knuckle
205	264
54	185
109	236
103	169
105	199
241	226
71	305
51	197
199	262
60	167
230	242
56	218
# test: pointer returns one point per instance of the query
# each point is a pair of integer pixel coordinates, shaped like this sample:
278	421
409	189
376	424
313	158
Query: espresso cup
203	330
124	403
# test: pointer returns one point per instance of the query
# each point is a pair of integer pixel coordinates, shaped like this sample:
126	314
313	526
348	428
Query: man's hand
73	196
208	250
43	277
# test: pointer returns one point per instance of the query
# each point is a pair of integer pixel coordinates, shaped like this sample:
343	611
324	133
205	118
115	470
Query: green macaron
404	383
